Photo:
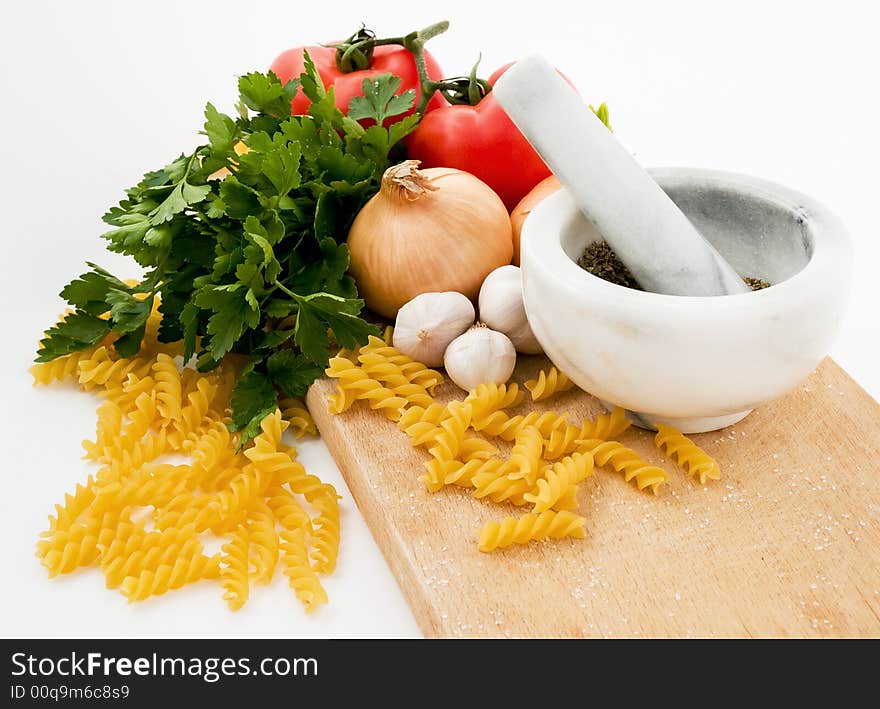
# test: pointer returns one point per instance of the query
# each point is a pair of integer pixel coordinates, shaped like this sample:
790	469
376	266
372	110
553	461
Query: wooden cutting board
786	544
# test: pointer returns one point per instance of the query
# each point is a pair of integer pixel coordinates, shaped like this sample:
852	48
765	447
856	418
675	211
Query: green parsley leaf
189	319
380	99
311	81
320	311
130	343
264	93
253	399
220	129
127	313
89	292
78	331
291	372
281	166
233	310
239	200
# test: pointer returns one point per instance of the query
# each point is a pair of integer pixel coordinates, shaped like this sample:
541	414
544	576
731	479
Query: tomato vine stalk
356	53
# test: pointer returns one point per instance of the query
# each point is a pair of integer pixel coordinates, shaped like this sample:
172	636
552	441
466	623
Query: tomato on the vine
482	140
385	60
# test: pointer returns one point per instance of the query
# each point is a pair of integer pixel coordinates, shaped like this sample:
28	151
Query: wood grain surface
786	544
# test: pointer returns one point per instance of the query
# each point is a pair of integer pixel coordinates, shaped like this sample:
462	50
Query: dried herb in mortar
599	259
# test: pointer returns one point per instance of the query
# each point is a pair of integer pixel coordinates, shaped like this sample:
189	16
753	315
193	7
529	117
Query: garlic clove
480	356
502	309
429	322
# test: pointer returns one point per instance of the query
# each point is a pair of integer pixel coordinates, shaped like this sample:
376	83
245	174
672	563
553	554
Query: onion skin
430	230
543	189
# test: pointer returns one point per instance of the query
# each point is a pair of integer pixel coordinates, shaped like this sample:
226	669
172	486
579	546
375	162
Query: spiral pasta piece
606	426
287	511
168	387
198	405
463	474
73	507
627	461
506	427
446	441
294	411
548	383
381	369
213	452
531	527
354	380
498	486
108	429
325	539
65	550
61	368
263	541
558	487
201	511
300	575
103	369
126	394
687	454
154	551
488	398
473	448
234	569
184	570
69	549
415	372
420	423
562	441
525	458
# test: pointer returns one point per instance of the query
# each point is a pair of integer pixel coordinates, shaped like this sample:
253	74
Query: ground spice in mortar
756	283
599	259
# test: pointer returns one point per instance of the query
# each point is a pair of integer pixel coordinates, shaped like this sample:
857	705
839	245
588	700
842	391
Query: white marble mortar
697	363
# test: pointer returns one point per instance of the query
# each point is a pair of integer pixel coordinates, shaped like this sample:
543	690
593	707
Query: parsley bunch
254	263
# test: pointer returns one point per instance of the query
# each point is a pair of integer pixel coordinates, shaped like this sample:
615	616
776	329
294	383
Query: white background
95	93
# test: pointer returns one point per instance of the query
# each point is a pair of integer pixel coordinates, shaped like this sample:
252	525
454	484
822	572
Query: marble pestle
649	233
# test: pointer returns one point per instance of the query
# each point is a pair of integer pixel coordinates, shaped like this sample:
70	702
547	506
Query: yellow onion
427	231
543	189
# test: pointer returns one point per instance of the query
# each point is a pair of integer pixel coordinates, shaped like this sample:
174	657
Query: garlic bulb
480	356
429	322
501	308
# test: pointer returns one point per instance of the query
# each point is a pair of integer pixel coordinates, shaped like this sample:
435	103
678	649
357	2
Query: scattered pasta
688	454
531	527
152	407
548	383
549	456
627	461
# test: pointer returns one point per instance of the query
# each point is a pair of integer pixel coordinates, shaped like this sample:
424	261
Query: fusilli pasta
353	380
688	454
300	575
234	569
558	486
627	461
548	383
531	527
152	407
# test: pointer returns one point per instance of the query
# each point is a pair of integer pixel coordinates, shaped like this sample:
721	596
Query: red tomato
387	59
481	140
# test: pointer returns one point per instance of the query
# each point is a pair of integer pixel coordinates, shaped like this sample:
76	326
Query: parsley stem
285	289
